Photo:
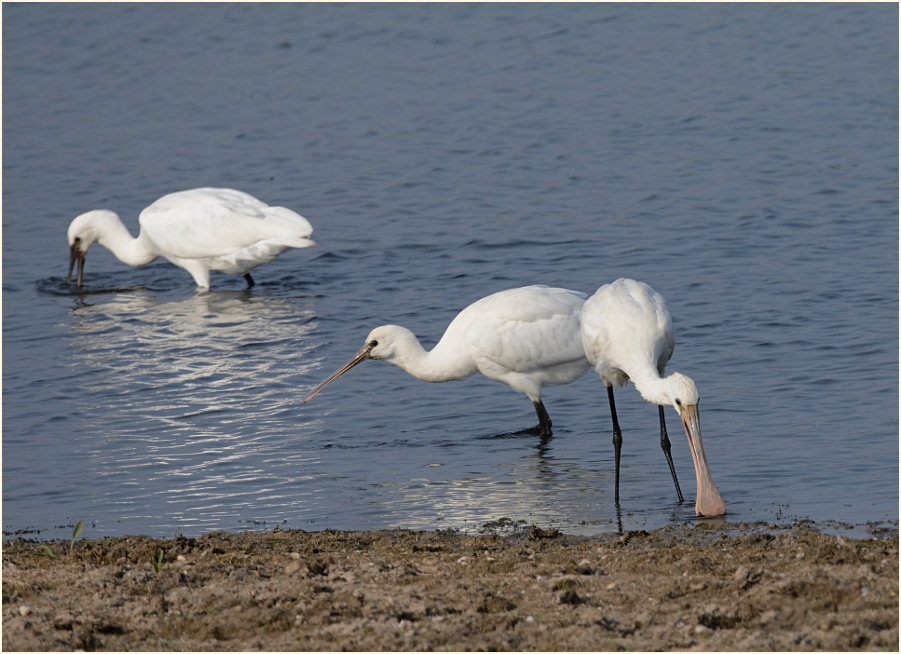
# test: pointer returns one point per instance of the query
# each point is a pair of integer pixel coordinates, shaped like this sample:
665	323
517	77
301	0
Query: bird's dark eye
678	402
373	343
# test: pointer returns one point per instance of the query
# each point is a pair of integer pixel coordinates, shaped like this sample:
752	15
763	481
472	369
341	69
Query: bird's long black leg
250	282
544	420
665	446
617	442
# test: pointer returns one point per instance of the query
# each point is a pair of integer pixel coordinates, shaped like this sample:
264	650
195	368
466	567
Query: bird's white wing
209	222
625	326
524	329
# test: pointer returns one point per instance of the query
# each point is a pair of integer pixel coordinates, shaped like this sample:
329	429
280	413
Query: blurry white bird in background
523	337
627	334
200	230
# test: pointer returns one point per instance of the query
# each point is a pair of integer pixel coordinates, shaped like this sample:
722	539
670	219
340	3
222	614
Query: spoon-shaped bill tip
709	502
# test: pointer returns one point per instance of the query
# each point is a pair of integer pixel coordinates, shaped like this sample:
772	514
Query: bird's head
90	227
84	230
682	391
381	344
683	394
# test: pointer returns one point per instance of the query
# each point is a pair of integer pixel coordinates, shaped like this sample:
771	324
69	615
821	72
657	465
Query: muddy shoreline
706	587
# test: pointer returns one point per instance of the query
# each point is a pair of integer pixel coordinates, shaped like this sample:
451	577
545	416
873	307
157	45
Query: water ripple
442	157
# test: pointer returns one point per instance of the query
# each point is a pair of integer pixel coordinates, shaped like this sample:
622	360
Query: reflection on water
466	149
190	396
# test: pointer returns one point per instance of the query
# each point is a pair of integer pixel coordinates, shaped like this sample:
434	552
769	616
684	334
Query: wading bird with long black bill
524	337
200	230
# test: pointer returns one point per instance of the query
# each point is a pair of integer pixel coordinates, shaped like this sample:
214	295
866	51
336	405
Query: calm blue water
742	159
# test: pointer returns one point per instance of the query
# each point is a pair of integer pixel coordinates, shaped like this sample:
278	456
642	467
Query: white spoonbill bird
524	337
200	230
627	334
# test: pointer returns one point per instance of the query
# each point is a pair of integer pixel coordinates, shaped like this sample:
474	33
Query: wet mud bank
707	587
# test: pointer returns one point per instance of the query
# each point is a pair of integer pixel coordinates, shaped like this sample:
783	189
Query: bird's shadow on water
60	287
162	283
540	442
88	296
529	432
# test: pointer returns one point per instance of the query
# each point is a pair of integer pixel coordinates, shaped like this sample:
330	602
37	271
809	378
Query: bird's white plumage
627	330
524	337
183	223
627	334
200	230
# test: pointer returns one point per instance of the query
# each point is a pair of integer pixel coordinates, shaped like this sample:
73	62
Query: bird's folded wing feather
215	222
627	326
535	327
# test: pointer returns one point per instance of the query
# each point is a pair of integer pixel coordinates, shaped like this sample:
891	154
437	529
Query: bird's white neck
115	237
654	389
440	364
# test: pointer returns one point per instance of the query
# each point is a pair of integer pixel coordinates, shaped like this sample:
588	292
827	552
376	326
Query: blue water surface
740	158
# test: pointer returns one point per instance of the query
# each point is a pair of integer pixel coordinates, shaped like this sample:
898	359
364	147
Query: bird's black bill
359	357
75	254
72	257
